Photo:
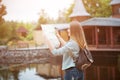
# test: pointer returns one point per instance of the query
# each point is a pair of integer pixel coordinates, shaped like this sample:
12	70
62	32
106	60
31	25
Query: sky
28	10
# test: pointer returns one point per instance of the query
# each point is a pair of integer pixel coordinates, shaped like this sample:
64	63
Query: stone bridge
24	55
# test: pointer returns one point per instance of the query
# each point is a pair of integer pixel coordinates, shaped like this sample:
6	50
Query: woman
77	39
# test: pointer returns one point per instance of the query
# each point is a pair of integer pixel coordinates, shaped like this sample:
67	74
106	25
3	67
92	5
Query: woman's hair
77	33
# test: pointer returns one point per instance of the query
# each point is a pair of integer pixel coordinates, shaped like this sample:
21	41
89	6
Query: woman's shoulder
71	43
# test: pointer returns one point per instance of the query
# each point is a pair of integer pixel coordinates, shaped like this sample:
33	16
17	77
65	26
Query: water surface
44	71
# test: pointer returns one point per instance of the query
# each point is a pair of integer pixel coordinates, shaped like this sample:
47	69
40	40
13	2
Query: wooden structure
22	31
102	32
79	12
115	8
38	36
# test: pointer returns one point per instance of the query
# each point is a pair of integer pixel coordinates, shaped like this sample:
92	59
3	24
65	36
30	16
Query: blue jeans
73	74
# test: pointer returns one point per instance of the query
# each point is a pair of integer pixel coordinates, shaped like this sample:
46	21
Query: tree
5	33
61	17
97	8
2	11
43	17
68	12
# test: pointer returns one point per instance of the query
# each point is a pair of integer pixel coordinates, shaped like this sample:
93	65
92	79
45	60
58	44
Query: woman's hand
61	40
57	34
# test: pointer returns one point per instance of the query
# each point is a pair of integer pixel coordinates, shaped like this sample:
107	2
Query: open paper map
49	32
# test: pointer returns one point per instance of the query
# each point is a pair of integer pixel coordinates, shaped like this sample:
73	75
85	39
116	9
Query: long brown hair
77	33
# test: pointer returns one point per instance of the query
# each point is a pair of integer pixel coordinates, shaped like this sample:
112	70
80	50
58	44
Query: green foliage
68	12
43	19
8	31
98	8
3	31
29	36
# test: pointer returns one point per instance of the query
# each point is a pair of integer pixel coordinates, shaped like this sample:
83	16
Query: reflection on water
48	70
30	72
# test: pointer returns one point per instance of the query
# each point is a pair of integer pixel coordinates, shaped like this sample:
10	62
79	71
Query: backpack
84	60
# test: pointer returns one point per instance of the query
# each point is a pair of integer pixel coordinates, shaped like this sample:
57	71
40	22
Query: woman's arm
52	46
61	40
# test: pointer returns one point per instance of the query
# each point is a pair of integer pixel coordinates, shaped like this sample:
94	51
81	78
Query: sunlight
28	10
